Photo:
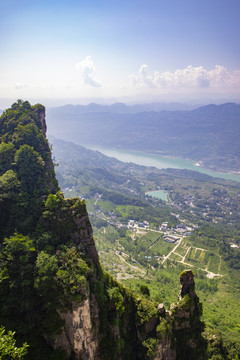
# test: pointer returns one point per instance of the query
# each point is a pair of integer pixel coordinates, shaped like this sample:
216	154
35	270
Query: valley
164	162
143	240
206	135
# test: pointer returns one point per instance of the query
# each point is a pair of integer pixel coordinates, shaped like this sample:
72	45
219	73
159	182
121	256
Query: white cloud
190	77
87	69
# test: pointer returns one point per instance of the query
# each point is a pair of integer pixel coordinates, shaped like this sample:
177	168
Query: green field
219	295
162	247
176	257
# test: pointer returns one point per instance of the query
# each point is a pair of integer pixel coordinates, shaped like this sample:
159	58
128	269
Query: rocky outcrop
69	219
40	110
180	328
187	326
178	331
161	309
187	284
79	336
165	351
84	237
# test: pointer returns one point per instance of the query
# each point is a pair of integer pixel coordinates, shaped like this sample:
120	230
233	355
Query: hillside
53	291
208	134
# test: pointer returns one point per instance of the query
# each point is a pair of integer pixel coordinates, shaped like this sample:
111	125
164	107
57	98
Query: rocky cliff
53	290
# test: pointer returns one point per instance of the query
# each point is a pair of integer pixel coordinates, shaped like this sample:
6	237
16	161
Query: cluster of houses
134	224
172	235
164	226
170	238
67	189
216	206
180	229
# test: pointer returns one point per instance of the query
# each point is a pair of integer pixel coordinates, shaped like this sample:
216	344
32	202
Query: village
218	207
171	235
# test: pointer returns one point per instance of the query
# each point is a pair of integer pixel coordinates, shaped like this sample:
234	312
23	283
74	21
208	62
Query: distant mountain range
122	108
209	134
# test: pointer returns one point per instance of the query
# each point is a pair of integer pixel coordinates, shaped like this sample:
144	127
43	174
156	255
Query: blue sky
165	50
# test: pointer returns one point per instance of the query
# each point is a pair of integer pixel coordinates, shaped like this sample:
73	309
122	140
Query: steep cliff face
53	291
80	335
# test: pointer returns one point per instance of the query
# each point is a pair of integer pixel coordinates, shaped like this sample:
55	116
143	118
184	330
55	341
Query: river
160	162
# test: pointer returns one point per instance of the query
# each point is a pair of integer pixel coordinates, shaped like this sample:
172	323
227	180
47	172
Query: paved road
172	251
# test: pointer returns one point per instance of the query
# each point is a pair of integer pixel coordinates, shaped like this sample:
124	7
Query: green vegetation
145	310
151	345
8	348
42	269
164	328
144	290
27	173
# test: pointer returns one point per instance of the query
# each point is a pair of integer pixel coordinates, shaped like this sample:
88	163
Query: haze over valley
208	135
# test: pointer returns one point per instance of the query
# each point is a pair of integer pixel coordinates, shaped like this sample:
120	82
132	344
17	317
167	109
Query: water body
161	162
159	194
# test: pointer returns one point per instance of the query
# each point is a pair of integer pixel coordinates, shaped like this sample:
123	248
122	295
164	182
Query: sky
78	51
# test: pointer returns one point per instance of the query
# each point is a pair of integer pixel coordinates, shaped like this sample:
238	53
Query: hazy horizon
51	103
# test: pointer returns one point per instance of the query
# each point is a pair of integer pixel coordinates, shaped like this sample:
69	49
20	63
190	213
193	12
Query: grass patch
214	263
182	248
176	257
126	211
106	205
162	247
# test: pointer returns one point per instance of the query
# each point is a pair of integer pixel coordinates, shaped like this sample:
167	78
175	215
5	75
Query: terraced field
197	257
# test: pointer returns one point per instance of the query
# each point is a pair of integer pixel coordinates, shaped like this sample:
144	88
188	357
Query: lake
159	194
160	162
